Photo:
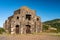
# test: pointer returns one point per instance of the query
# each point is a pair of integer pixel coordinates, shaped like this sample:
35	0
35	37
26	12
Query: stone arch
17	29
28	27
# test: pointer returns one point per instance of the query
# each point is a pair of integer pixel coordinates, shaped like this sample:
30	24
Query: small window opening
17	17
28	16
37	19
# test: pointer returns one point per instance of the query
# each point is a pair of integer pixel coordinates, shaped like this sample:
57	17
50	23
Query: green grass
52	33
42	33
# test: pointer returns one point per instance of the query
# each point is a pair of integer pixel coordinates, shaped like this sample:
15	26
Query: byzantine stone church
23	21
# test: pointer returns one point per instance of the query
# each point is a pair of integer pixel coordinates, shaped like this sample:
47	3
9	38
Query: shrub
1	30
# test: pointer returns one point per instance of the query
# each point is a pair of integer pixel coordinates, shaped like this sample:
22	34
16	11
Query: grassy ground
43	33
34	36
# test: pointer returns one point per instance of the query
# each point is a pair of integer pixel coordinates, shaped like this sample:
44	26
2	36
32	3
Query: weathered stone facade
23	21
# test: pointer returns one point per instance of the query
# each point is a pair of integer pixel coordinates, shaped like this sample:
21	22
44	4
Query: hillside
53	23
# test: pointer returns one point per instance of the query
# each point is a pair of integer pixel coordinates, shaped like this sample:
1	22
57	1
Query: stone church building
23	21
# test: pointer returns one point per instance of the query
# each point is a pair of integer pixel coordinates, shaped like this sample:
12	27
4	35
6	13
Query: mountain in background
53	24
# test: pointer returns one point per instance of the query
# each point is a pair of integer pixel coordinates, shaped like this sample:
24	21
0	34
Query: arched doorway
17	29
28	29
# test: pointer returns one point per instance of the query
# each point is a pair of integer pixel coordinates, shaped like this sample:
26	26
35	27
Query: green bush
45	27
1	30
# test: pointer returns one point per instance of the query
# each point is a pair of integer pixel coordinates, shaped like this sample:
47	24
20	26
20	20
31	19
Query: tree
1	30
45	27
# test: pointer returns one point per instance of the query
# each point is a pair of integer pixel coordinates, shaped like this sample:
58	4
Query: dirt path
29	37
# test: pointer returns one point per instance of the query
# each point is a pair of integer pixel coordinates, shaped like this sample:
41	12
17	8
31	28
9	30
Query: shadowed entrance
17	29
28	29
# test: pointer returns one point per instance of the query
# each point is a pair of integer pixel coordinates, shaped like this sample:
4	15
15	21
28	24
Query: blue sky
46	9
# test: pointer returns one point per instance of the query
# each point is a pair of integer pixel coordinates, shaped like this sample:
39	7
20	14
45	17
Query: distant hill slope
53	23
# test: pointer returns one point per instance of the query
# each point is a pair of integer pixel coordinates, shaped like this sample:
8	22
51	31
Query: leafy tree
45	27
1	30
